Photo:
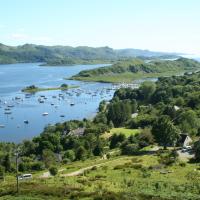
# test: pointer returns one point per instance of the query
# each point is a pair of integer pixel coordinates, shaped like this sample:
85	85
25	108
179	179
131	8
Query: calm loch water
26	117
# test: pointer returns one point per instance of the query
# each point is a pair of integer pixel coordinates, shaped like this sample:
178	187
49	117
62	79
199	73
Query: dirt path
47	174
78	172
81	171
185	156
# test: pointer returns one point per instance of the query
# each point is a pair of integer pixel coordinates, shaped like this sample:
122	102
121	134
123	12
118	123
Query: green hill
66	55
128	70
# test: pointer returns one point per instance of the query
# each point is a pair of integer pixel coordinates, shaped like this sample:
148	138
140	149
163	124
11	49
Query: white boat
45	113
10	106
2	126
27	96
8	112
72	104
26	121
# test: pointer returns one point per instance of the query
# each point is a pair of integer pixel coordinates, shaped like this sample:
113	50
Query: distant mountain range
67	55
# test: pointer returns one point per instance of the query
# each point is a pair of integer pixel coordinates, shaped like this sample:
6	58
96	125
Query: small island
33	88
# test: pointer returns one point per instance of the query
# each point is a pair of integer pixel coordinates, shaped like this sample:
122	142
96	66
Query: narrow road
80	171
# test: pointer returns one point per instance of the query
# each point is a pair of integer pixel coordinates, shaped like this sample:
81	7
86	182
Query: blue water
14	77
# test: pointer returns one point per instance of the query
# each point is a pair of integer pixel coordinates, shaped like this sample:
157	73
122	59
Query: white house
185	140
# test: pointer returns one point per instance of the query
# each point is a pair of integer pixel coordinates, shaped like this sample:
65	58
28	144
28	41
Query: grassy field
125	131
121	177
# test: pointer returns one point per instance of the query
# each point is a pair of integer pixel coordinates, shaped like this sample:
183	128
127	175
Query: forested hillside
66	55
128	70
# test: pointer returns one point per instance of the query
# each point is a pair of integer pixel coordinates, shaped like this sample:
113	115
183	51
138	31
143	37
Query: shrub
64	85
53	170
137	166
105	168
145	138
130	149
99	176
108	155
118	167
94	168
182	164
66	161
168	158
37	166
2	171
81	153
116	140
146	174
194	176
70	154
136	160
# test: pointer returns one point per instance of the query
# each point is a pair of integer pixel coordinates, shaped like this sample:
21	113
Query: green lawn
125	131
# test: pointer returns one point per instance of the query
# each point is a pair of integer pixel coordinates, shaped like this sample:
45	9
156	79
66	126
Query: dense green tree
164	131
145	138
100	118
147	89
28	148
188	122
119	112
102	106
116	140
197	150
48	158
70	154
98	149
180	101
81	153
7	163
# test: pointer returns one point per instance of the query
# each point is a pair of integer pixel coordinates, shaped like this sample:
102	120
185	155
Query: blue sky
161	25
